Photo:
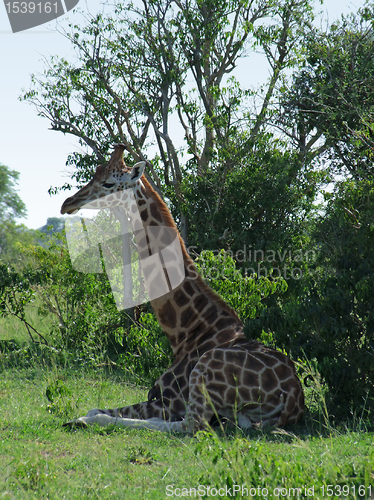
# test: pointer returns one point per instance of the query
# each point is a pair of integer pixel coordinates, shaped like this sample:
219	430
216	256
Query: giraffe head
107	185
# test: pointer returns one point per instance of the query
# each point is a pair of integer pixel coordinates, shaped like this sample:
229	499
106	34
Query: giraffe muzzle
65	209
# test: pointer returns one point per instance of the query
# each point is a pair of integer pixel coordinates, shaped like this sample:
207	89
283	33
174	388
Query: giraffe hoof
75	424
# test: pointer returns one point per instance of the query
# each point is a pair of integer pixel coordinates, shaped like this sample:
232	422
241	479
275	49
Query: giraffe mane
204	287
100	169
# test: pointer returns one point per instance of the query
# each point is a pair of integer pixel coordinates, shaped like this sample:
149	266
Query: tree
11	205
53	225
327	111
11	208
162	69
266	204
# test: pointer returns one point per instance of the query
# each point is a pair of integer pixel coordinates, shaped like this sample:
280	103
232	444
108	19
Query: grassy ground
40	459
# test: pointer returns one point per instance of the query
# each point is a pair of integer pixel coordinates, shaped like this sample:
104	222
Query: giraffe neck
192	315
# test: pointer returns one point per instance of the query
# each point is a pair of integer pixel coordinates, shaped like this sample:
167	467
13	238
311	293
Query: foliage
147	352
12	236
84	311
328	109
53	225
11	206
86	320
328	314
16	292
266	202
60	398
242	292
11	209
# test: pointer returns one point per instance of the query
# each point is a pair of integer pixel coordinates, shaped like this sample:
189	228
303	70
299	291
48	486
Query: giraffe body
216	371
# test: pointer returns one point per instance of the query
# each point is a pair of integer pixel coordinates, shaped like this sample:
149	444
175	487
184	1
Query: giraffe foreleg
103	420
146	415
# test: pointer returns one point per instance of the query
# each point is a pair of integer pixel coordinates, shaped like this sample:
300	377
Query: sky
27	145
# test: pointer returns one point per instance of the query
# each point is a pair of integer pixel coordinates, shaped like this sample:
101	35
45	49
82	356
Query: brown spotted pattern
216	370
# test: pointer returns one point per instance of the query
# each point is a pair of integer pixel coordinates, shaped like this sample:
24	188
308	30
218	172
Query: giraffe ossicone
216	371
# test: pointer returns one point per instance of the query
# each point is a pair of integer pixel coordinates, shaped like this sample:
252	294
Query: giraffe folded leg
103	420
119	417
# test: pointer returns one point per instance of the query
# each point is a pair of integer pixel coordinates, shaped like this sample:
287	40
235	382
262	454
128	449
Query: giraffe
216	371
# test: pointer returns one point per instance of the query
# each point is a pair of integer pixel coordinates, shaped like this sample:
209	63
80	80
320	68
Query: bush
328	314
84	314
147	350
243	293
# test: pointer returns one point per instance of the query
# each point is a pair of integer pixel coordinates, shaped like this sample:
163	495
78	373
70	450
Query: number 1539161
332	491
31	7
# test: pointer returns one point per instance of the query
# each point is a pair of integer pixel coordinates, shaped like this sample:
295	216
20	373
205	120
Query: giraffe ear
137	171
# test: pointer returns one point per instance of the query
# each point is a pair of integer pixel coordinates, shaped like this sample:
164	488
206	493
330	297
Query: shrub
329	313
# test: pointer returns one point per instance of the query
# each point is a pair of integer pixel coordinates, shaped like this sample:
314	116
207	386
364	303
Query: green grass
41	459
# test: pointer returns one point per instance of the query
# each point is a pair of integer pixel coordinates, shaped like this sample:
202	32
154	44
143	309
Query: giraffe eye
107	185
